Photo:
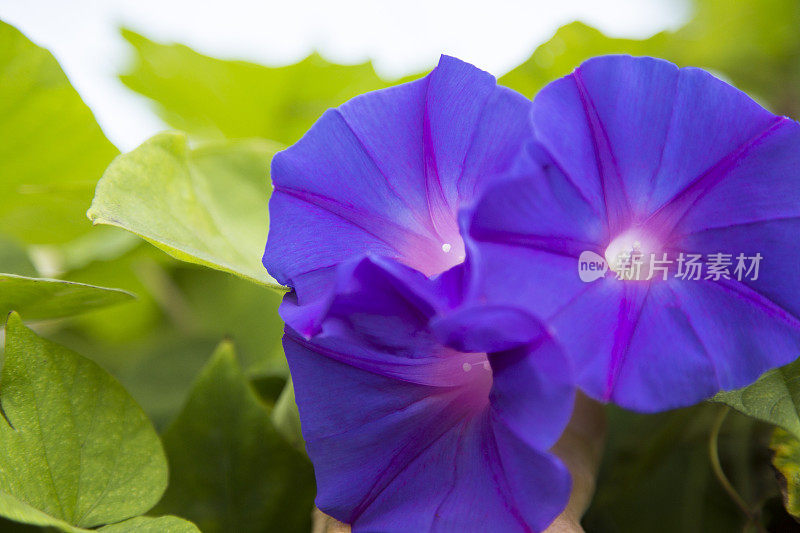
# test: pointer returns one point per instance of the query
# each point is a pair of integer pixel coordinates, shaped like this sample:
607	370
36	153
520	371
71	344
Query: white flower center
630	254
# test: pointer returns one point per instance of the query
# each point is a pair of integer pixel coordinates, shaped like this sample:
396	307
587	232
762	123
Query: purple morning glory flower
387	172
419	413
637	158
411	424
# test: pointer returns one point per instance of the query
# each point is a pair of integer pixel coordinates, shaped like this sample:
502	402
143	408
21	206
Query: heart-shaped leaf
75	450
206	206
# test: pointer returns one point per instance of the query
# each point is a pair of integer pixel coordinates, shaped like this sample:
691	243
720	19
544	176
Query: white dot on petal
446	247
467	367
486	365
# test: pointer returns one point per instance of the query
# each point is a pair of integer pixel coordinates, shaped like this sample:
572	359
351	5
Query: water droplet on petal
467	367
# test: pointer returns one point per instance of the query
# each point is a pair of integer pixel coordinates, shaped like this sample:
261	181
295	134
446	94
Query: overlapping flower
414	423
437	324
638	152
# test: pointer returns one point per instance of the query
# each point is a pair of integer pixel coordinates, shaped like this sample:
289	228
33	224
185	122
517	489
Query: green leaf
774	398
206	206
51	147
212	97
19	511
231	470
75	448
38	298
786	460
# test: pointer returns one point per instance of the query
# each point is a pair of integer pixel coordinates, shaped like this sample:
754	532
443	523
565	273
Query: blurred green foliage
201	197
14	258
50	145
753	43
786	460
231	468
211	97
656	475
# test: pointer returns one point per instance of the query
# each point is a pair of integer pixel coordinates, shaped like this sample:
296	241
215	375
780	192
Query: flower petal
636	132
408	434
485	328
493	482
532	391
524	238
390	454
386	173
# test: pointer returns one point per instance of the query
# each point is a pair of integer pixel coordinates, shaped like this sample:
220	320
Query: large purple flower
637	158
415	420
387	172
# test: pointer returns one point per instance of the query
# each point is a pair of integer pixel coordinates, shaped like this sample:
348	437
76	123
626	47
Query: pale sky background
400	36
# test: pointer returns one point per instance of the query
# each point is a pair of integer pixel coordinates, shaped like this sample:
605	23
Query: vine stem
713	452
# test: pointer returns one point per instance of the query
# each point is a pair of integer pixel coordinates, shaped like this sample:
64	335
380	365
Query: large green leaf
206	205
774	398
75	449
38	298
230	468
236	99
51	148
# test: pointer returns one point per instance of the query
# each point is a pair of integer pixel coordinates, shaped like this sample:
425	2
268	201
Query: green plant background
180	222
